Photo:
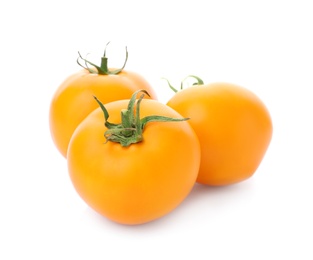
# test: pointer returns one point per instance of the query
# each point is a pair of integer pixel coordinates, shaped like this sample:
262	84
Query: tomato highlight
137	167
233	125
73	100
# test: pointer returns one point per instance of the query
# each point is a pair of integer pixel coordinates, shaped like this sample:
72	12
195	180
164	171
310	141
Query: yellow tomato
138	182
233	126
73	100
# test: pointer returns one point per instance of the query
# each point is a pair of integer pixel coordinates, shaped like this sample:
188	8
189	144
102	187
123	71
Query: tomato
73	100
138	181
233	126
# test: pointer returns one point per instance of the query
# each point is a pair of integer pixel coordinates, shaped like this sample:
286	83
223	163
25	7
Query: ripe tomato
139	182
73	100
233	126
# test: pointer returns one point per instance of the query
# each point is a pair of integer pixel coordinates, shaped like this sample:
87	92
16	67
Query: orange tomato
233	126
73	100
141	182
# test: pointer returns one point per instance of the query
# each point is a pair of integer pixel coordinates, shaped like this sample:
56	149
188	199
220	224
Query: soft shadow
91	216
201	191
200	198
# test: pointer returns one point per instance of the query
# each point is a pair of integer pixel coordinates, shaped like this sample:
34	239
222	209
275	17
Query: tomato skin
140	183
233	126
73	100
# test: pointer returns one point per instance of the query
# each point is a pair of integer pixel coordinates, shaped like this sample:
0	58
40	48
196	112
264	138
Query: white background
266	46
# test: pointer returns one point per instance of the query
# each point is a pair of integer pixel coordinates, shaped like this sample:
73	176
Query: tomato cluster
134	159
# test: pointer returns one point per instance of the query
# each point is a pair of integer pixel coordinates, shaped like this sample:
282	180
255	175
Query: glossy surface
139	183
73	100
233	126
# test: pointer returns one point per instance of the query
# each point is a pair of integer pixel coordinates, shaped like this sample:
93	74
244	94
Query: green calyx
103	68
198	82
130	130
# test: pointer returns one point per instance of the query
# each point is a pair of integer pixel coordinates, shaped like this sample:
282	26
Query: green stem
103	68
170	85
130	131
199	81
